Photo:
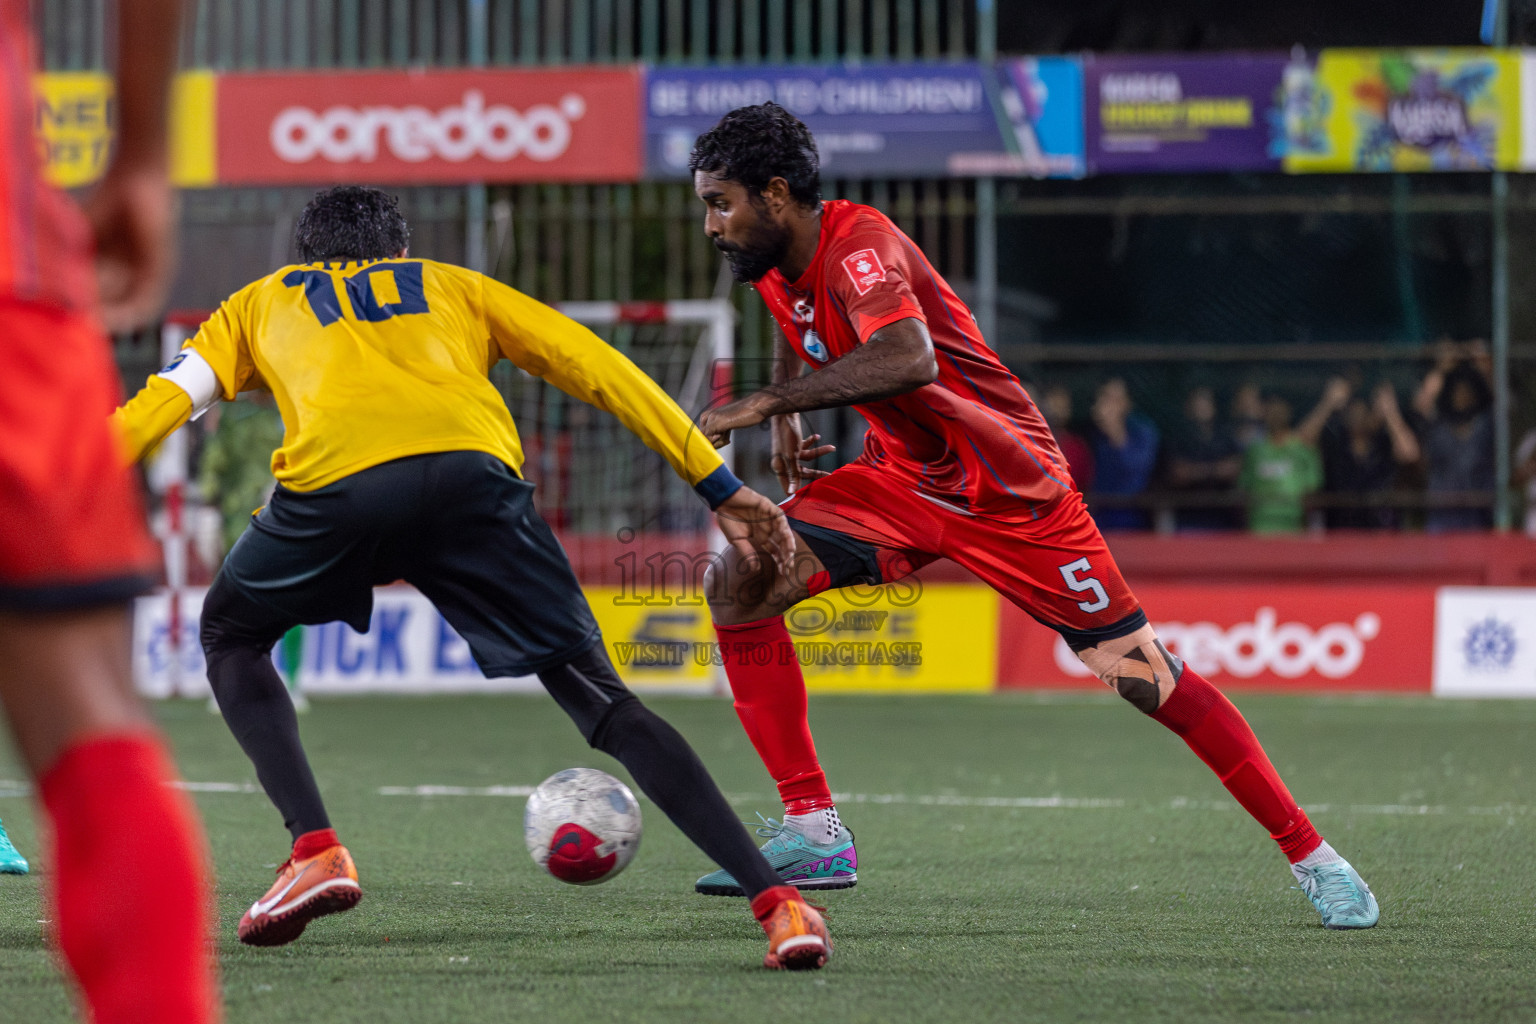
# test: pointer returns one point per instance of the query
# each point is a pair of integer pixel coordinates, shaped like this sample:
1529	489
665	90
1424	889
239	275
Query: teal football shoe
1339	894
799	862
11	862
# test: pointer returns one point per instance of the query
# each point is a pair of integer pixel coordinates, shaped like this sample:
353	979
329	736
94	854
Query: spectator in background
1247	419
1362	446
1203	456
1124	453
1056	407
1455	403
1278	474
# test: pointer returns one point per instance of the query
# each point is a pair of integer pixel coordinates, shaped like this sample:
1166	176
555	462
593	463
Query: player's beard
765	248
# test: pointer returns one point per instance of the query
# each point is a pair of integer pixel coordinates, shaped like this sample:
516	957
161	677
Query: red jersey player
957	463
129	889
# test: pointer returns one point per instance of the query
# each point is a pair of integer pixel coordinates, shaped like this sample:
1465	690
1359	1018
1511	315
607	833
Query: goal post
709	365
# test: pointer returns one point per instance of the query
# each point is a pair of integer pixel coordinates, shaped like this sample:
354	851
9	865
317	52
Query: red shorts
867	526
72	529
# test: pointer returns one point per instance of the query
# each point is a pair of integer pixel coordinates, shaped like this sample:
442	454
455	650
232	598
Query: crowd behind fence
1362	452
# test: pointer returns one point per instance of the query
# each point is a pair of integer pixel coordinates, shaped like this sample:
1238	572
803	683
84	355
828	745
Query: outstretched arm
896	359
1335	396
178	393
1405	445
215	364
551	345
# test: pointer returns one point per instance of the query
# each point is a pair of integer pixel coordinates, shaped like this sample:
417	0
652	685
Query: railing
1407	507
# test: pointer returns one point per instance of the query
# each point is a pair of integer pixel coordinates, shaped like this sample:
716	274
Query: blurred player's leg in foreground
11	860
129	894
461	528
128	889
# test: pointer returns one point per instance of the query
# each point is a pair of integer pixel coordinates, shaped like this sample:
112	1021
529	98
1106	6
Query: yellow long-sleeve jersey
377	360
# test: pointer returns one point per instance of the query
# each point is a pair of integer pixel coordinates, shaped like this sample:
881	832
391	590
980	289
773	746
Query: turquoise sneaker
1339	894
11	862
799	862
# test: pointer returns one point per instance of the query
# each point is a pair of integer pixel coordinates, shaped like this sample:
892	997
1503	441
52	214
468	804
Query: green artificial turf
1148	896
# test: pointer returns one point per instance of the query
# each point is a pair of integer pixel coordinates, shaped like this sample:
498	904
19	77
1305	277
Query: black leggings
238	635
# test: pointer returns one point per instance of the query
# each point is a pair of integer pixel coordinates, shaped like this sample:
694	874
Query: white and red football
582	826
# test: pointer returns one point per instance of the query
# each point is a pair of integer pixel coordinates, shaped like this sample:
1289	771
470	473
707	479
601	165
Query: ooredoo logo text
1289	650
470	128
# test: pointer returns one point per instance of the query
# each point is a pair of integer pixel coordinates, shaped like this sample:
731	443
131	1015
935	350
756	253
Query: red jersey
45	244
972	438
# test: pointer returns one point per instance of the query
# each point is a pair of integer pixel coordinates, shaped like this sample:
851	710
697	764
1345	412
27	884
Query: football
582	826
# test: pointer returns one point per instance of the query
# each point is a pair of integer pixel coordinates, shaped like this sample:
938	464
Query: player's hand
751	523
133	214
717	424
791	452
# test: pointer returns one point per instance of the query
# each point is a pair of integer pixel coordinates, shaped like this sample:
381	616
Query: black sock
661	762
258	710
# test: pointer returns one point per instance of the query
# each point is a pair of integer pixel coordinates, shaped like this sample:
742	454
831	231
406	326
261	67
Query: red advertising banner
569	124
1257	637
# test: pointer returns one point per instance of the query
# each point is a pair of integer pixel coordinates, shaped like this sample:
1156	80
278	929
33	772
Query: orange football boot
305	889
797	936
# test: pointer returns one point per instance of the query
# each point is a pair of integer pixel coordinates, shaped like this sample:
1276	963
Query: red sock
767	901
769	689
1218	733
312	843
130	890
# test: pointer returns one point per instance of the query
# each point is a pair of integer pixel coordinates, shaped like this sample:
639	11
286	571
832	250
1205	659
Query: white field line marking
1066	802
456	790
14	788
218	787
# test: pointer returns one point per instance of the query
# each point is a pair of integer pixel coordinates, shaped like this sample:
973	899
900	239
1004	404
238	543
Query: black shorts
458	526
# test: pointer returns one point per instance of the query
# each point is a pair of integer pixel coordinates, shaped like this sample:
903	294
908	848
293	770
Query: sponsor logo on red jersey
864	269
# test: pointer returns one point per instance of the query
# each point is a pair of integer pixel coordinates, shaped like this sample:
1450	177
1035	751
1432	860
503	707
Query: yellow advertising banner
1404	110
74	125
902	638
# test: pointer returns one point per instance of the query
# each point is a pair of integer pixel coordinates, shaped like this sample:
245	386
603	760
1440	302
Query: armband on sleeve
191	372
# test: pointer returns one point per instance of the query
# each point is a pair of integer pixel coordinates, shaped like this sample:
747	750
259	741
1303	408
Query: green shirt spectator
1278	474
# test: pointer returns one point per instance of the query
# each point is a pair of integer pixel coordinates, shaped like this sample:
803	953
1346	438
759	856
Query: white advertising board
408	648
1485	642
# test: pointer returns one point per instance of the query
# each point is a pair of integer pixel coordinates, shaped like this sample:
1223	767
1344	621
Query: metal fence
255	34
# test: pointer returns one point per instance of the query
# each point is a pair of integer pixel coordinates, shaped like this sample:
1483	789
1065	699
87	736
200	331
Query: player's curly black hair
350	222
754	145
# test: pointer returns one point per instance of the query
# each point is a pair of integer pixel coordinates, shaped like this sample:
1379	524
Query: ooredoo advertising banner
566	124
883	120
1184	113
1408	110
1271	637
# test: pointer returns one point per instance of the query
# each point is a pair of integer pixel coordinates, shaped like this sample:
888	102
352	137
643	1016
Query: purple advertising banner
1184	113
869	121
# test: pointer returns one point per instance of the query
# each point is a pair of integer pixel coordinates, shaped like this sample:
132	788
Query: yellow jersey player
401	461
